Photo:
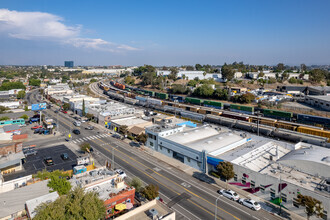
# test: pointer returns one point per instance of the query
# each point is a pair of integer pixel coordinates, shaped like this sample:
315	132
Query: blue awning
213	161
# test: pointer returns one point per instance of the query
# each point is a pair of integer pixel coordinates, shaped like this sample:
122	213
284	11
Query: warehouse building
277	171
190	143
319	101
58	89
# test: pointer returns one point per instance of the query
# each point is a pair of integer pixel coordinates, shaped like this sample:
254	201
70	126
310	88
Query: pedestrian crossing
80	140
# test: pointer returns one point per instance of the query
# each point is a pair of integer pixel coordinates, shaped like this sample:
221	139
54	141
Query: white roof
14	201
32	204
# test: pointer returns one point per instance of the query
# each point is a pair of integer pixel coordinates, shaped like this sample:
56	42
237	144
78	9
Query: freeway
189	197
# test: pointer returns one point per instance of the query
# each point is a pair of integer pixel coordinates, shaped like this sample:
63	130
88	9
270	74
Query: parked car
36	127
65	156
77	123
250	204
90	127
56	111
230	194
76	131
121	173
36	131
63	111
49	161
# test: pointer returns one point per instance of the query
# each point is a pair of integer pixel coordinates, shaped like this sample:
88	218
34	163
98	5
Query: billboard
38	107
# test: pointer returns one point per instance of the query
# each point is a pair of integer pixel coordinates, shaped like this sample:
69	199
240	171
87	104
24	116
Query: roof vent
153	213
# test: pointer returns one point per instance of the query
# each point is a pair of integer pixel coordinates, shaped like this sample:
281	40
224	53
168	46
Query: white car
230	194
250	204
121	173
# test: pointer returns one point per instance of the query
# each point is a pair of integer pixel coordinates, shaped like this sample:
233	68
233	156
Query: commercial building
6	186
190	75
58	89
11	105
150	210
111	188
32	204
134	125
11	163
68	64
318	90
190	143
319	101
12	203
277	171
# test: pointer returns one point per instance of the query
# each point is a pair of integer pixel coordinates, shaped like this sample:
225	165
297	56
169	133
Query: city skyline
164	33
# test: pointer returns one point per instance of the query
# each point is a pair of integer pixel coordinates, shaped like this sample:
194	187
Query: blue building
68	64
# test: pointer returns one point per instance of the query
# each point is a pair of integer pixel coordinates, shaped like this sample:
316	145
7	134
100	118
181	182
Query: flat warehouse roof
320	97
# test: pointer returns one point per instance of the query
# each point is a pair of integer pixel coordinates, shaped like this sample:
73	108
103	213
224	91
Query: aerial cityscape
138	110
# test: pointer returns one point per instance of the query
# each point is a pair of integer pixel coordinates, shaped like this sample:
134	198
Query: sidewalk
269	207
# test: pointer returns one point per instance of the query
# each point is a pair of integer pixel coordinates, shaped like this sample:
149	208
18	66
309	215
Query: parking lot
35	163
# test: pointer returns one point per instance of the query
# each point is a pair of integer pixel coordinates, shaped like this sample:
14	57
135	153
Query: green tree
204	90
26	108
198	66
78	204
221	94
261	74
3	109
148	78
21	94
93	80
44	174
303	68
61	185
142	138
4	118
247	98
136	182
178	89
65	78
129	80
190	68
89	116
151	191
204	74
271	80
280	67
317	75
292	80
66	106
226	170
85	147
25	117
312	206
123	129
192	83
34	82
174	73
227	72
11	85
83	108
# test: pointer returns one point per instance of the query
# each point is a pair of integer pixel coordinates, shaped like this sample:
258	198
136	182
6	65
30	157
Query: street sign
38	107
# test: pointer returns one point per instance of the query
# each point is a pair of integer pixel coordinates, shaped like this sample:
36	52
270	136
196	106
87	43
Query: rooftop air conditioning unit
153	213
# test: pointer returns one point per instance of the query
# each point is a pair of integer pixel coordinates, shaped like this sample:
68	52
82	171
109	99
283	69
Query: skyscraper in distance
68	64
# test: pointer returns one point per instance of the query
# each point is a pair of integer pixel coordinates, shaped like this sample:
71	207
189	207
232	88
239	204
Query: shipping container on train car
162	95
194	101
180	99
282	115
205	110
213	104
242	109
313	131
314	120
264	121
237	116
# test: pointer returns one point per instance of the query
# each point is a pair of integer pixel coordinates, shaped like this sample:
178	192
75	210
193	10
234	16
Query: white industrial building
58	89
320	101
190	75
190	144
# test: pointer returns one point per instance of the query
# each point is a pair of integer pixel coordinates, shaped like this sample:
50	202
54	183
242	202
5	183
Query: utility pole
216	207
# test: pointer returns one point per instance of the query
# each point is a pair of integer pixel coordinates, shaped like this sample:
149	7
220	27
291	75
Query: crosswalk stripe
74	142
92	137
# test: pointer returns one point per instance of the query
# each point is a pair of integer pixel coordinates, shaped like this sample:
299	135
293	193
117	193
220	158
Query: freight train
199	109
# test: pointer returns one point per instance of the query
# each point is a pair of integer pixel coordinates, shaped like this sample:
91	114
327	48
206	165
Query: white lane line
73	142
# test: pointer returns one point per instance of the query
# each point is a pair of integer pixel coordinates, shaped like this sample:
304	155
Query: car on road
90	127
36	127
65	156
56	111
77	123
71	114
49	161
116	136
230	194
63	111
76	131
121	173
250	204
54	124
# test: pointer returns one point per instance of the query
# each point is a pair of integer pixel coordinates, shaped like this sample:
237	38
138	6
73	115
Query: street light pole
216	208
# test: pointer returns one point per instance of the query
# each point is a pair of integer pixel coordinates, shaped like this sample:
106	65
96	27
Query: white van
77	123
82	160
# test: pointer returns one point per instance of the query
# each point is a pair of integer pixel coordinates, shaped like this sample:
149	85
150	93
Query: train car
191	108
293	126
161	95
242	109
205	110
192	115
213	104
19	121
264	121
313	131
238	116
317	121
194	101
180	99
152	101
281	115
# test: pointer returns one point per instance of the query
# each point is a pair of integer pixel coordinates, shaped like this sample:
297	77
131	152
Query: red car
64	111
36	127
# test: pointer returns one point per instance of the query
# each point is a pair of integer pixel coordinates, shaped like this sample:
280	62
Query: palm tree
204	74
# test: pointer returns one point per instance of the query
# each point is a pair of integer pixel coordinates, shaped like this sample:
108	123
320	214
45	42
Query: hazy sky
156	32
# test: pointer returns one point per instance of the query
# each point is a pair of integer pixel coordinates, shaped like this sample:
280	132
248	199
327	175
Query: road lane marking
142	171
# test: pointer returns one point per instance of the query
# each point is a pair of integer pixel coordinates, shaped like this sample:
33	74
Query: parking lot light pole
216	207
